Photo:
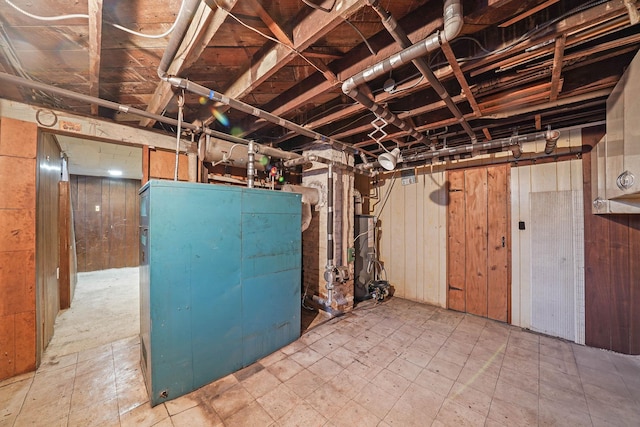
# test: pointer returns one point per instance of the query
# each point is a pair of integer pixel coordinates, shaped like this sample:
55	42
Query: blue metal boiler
220	274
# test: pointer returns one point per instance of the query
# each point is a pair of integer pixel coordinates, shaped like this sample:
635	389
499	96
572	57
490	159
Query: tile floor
394	364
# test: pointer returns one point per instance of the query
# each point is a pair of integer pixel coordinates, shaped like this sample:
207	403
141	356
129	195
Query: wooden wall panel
456	228
67	257
47	237
106	222
476	240
612	297
498	278
18	344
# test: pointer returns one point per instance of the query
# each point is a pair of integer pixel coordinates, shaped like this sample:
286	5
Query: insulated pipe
251	170
484	146
184	19
314	158
400	36
452	25
328	273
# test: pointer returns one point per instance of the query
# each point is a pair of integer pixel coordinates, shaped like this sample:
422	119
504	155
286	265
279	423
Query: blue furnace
220	279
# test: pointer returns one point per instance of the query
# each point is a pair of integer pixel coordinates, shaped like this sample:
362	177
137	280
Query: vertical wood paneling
441	198
598	307
396	210
456	242
498	243
132	214
117	211
619	274
108	237
634	282
476	241
410	247
47	244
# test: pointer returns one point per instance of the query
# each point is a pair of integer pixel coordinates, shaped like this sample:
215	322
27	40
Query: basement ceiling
516	66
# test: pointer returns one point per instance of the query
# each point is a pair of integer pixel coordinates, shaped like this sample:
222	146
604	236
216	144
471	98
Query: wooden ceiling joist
557	67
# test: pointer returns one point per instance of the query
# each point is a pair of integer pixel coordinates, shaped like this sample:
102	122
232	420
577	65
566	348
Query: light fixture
115	172
389	160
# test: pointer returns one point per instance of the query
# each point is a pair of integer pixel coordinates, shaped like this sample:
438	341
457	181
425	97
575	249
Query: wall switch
521	225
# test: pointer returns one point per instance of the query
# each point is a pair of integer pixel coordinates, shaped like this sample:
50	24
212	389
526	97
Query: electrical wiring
364	39
266	36
85	16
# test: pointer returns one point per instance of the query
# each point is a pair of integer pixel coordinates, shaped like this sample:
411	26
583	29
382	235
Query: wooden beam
557	67
95	49
528	13
271	23
306	32
487	134
457	71
538	119
204	26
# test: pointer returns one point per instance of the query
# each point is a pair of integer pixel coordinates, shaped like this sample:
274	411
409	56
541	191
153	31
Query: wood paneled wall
68	261
612	270
106	218
49	166
18	144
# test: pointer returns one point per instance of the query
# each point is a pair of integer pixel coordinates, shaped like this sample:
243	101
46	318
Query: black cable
320	8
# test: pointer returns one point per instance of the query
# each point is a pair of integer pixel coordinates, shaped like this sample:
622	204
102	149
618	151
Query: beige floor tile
56	362
306	357
418	406
294	347
260	383
376	400
519	380
144	415
619	415
40	421
101	413
201	416
512	414
416	356
310	337
274	357
231	401
302	415
445	368
285	369
353	414
567	365
327	399
450	355
479	377
434	382
563	396
349	382
395	385
324	346
609	381
471	398
405	369
525	365
559	379
454	414
619	399
304	383
342	357
555	414
279	401
251	415
326	368
181	404
12	396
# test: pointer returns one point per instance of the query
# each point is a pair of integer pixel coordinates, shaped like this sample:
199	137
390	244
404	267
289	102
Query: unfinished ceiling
515	66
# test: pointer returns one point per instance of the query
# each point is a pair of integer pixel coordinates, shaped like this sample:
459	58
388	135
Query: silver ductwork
310	197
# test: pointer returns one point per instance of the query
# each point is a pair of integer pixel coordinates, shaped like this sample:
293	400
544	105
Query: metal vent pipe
400	36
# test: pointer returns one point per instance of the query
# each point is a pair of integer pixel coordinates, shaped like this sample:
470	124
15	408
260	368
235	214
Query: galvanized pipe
452	25
400	36
329	271
503	143
189	8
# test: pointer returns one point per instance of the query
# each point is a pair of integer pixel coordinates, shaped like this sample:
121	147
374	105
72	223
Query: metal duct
218	150
177	35
329	270
503	143
452	25
308	158
400	36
